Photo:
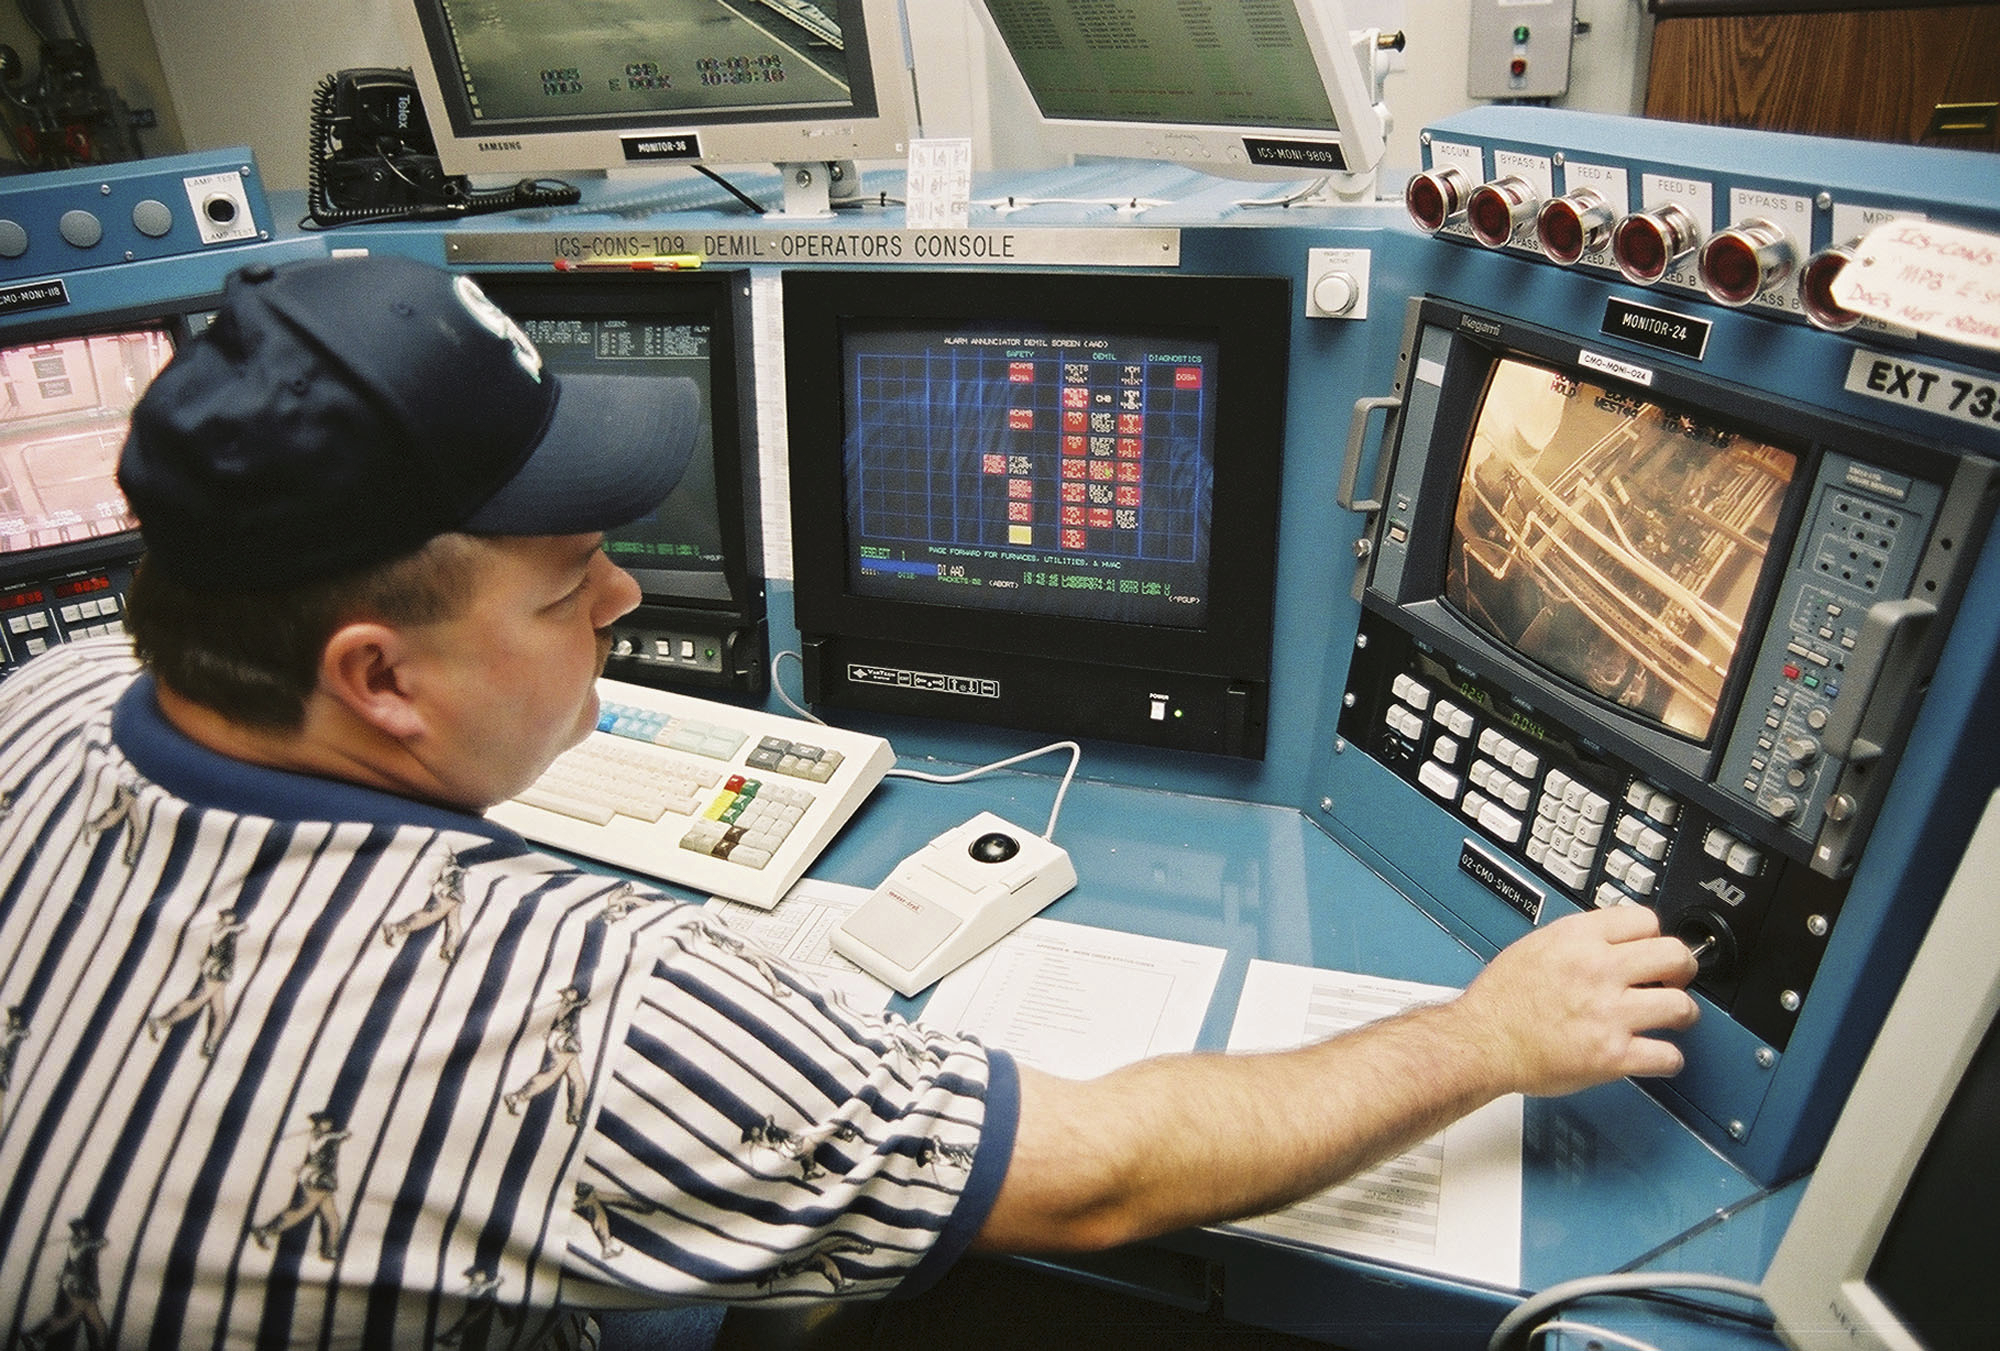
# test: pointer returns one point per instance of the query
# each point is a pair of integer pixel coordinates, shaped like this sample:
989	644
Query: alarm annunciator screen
1050	472
1612	540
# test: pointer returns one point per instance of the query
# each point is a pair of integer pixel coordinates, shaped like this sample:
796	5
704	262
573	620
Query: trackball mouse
995	846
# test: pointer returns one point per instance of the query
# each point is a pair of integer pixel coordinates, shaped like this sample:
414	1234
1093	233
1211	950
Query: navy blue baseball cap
339	413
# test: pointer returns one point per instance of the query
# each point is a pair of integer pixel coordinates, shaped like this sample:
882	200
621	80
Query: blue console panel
1340	847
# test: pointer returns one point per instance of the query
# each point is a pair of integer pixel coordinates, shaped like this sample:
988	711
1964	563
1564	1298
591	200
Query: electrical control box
1519	49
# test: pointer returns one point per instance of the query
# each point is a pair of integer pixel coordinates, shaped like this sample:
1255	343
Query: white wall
242	72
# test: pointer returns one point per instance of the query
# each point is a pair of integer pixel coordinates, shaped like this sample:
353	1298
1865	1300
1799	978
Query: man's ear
363	667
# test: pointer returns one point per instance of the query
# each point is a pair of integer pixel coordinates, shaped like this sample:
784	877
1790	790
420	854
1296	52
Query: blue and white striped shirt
287	1061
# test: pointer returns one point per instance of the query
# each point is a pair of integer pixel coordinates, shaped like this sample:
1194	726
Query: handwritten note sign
938	188
1937	279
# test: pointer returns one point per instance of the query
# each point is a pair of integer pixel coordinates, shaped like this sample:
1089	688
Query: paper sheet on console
800	929
1452	1204
1076	1001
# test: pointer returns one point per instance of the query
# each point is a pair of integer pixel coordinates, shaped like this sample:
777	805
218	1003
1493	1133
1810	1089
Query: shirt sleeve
760	1140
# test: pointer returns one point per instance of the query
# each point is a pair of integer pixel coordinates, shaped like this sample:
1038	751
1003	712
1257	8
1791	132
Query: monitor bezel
1416	597
877	127
1230	150
1818	1283
1247	316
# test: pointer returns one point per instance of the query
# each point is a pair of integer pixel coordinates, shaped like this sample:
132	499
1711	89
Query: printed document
1452	1204
1079	1002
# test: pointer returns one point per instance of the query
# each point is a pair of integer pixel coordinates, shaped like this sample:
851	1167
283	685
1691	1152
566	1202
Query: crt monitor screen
65	404
1052	470
1615	541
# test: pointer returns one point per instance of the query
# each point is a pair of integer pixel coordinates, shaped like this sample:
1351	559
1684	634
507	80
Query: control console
1559	813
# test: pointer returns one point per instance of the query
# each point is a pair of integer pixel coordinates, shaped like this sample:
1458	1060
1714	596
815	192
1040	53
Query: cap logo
497	322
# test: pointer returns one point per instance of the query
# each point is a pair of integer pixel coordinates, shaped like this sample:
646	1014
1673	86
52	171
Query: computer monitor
67	536
698	558
1041	500
1264	89
1894	1245
523	87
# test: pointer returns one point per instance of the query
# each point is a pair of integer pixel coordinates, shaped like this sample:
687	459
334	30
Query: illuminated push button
1744	261
1436	198
1411	691
1572	225
1816	280
1647	244
1496	210
1742	860
1716	844
1336	293
1641	879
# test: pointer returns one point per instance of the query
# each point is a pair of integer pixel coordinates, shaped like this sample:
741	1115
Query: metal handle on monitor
1880	676
1357	432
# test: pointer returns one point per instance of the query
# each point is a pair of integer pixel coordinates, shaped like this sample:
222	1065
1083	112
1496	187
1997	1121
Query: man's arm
1183	1140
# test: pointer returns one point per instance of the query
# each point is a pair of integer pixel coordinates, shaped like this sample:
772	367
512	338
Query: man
374	604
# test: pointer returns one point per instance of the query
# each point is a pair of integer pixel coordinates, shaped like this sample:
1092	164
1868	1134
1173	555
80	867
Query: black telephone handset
372	157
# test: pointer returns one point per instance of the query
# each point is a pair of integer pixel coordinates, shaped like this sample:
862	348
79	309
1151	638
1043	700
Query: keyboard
733	801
